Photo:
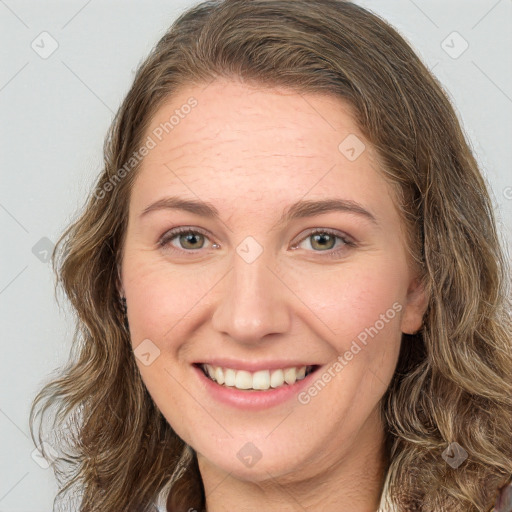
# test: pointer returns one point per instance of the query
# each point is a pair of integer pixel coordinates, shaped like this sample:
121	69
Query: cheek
365	298
160	295
356	308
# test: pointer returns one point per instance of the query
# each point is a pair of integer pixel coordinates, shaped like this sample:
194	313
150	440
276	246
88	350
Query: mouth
261	380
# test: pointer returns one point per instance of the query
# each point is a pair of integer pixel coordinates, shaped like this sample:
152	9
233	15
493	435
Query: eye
191	239
325	240
188	238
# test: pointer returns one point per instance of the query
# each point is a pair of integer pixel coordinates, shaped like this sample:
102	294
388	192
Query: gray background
56	110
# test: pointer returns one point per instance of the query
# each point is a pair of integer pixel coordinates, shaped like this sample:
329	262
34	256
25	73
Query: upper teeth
263	379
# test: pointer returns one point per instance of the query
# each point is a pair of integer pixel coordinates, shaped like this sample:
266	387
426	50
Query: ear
415	307
120	287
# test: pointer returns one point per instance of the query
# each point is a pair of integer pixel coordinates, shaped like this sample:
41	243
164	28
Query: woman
289	286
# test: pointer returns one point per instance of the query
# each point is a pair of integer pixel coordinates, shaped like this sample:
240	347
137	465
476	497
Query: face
289	282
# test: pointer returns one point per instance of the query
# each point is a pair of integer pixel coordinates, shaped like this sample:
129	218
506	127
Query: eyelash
168	236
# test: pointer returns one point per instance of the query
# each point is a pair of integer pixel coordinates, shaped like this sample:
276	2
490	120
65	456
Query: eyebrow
298	210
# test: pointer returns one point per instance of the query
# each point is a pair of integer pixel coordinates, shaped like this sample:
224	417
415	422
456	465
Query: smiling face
260	287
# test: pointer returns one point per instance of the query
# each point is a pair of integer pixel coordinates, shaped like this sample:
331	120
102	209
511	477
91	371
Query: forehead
259	144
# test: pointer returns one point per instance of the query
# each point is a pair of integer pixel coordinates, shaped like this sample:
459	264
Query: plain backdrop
65	67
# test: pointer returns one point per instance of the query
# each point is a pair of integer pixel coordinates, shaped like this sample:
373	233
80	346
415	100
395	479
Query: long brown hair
453	380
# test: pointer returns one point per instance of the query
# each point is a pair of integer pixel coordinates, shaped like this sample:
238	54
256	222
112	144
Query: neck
352	484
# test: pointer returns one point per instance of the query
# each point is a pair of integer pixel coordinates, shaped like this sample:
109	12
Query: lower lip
252	399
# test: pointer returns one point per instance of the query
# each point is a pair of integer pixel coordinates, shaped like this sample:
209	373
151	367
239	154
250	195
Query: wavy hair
453	378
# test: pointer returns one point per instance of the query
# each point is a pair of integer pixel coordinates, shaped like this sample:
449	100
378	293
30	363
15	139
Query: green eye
193	239
189	239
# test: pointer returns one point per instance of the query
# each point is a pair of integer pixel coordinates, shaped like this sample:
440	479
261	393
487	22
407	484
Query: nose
254	303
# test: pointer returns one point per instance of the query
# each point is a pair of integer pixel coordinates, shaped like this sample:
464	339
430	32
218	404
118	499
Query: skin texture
251	152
